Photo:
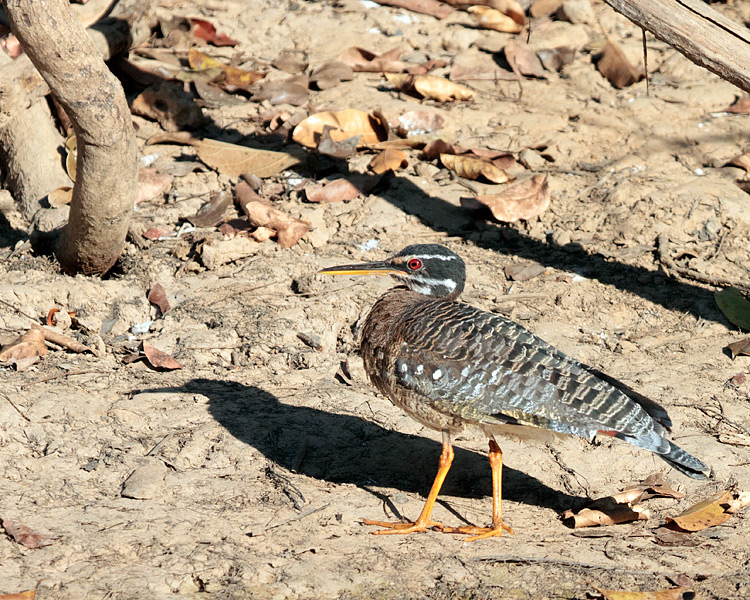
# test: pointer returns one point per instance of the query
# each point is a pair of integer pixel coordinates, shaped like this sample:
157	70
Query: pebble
146	482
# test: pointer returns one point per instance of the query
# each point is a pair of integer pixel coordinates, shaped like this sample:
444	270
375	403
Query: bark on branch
93	98
703	35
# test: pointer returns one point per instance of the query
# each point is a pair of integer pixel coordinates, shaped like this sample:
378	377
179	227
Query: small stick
63	340
18	410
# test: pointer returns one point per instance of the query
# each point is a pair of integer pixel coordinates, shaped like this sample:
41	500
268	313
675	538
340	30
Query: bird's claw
403	528
479	533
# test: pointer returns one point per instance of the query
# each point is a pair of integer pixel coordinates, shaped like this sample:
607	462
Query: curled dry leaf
389	159
341	190
159	359
735	306
371	128
233	76
678	593
170	105
741	106
616	67
152	184
338	149
509	19
554	59
524	200
204	30
739	348
234	160
438	147
713	511
26	536
215	211
30	344
291	61
416	122
331	74
158	297
431	87
472	168
365	61
742	161
62	340
288	229
25	595
523	59
523	271
60	196
608	511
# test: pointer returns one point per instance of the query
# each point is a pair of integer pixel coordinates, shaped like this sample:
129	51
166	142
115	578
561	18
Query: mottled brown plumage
450	365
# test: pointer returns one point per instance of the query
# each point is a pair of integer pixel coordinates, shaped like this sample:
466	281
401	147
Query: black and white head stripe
430	269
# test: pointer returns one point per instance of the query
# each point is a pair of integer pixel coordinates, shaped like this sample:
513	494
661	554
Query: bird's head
430	269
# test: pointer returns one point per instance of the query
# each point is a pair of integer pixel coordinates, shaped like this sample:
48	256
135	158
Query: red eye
414	264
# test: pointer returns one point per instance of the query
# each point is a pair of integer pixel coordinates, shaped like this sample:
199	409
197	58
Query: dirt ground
262	454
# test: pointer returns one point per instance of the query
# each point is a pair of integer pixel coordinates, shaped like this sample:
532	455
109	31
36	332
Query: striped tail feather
686	463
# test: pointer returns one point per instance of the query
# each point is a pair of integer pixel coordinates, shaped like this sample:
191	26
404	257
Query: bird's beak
372	268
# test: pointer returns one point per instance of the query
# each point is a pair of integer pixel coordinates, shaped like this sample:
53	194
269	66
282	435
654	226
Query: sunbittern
450	365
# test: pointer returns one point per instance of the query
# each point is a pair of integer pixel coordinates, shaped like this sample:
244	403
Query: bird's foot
479	533
402	528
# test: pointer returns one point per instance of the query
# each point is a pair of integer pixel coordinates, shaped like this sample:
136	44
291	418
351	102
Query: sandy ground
261	460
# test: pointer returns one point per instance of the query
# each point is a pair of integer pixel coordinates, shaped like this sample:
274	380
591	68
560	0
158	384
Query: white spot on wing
404	367
437	374
465	371
420	369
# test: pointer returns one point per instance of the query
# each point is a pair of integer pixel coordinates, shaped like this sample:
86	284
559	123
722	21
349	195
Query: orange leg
423	521
480	533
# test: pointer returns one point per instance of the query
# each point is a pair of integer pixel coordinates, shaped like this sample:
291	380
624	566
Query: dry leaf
735	306
523	59
60	196
30	344
234	160
554	59
215	211
159	359
71	155
678	593
389	159
739	348
288	229
606	511
206	31
282	91
437	147
742	161
213	96
431	87
709	513
158	297
615	66
341	190
291	61
170	105
172	137
25	536
664	536
416	122
741	106
338	149
481	73
151	184
365	61
344	124
331	74
523	272
472	168
524	200
510	19
233	76
26	595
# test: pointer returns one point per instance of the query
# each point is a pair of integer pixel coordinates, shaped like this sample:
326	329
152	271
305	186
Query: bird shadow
343	448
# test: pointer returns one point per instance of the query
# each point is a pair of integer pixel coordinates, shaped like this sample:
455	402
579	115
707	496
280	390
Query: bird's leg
423	521
480	533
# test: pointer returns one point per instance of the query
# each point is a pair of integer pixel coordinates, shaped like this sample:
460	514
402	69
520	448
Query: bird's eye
414	264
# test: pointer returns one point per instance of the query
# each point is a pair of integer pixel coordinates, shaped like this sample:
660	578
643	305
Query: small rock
576	11
146	482
531	159
561	238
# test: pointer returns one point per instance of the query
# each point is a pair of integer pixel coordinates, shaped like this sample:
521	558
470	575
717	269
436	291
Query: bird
451	366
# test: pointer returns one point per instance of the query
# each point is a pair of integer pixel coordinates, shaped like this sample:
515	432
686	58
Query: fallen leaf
204	30
71	155
158	297
341	190
606	511
523	272
554	59
234	77
151	184
523	59
481	73
155	233
389	159
338	149
215	211
159	359
678	593
741	106
509	19
25	536
30	344
245	194
60	196
739	348
472	168
291	61
664	536
416	122
170	105
615	66
26	595
524	200
213	96
735	306
234	160
437	147
431	87
709	513
365	61
742	161
288	229
331	74
344	124
282	91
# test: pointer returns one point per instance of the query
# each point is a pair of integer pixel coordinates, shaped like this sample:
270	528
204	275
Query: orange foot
479	533
402	528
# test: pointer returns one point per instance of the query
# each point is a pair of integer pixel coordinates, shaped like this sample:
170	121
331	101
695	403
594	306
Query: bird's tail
686	463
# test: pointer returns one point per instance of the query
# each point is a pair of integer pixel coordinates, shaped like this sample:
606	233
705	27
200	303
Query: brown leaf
206	31
341	190
233	76
472	168
741	106
25	536
431	87
524	200
481	73
234	160
60	196
151	184
345	124
523	272
173	137
615	66
438	147
282	91
416	122
213	96
291	61
331	74
27	345
215	211
159	359
742	161
365	61
606	511
154	233
245	194
158	297
664	536
170	105
554	59
508	19
678	593
288	229
739	348
709	513
26	595
71	155
389	159
523	59
338	149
